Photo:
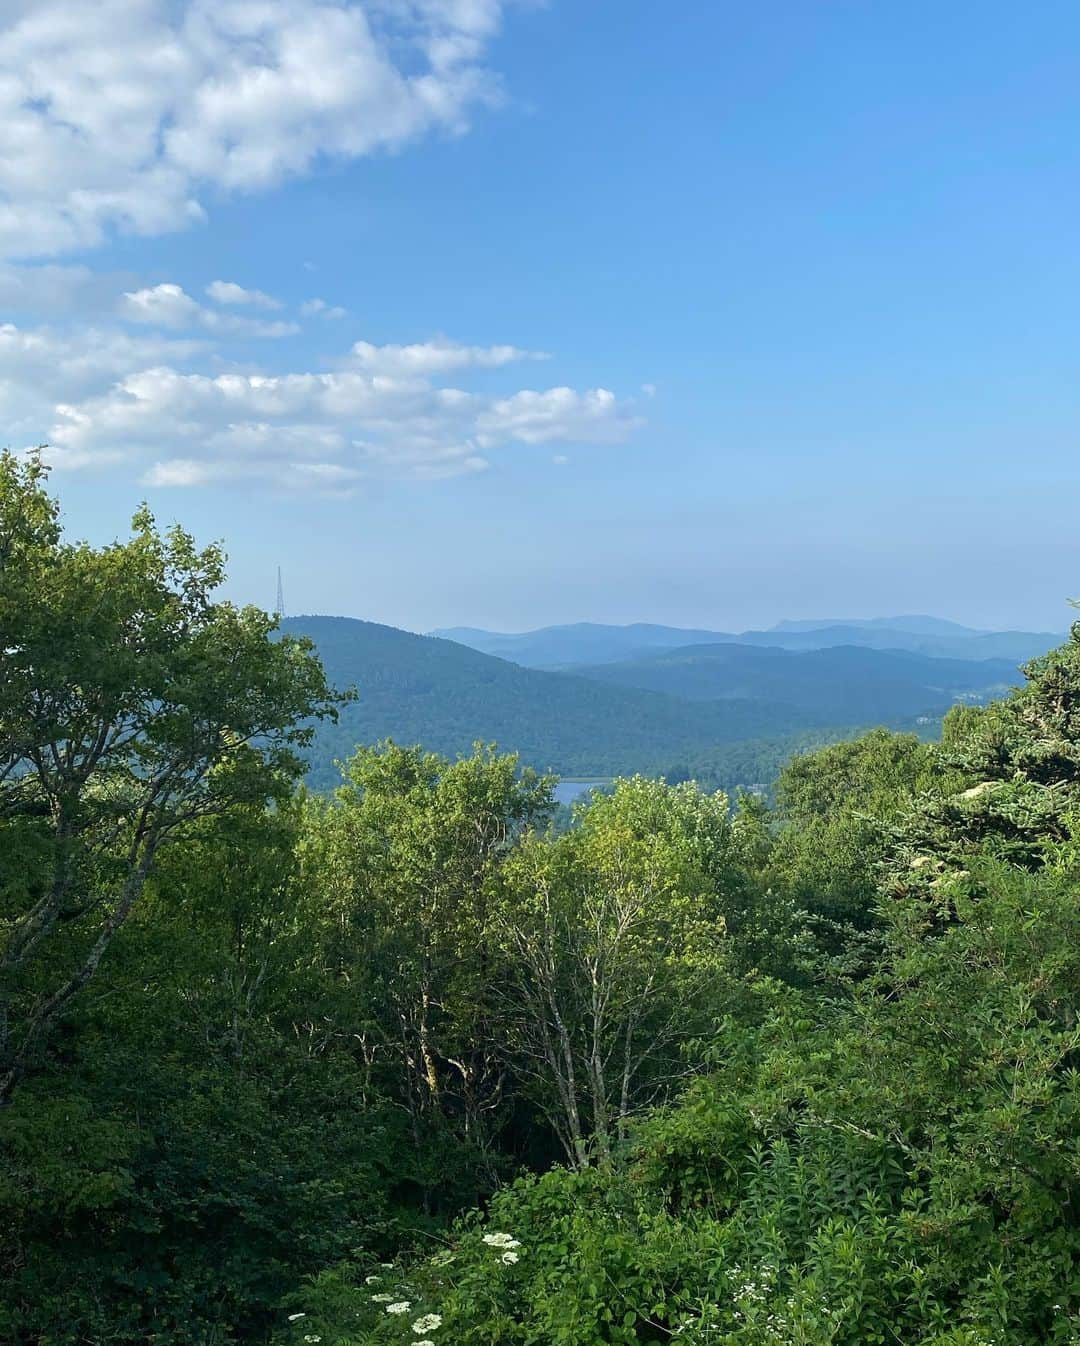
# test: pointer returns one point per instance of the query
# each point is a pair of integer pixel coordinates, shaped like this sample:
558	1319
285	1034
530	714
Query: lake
568	790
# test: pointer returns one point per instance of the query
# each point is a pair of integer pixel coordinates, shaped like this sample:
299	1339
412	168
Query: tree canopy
132	706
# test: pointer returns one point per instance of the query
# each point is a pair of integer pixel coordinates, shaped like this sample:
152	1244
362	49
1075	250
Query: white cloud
180	472
161	306
560	414
321	308
228	292
435	357
42	367
323	430
168	305
127	114
317	478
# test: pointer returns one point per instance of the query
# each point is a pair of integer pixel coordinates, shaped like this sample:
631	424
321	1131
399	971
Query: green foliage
899	1163
615	940
1017	790
408	862
835	808
901	1168
194	1146
131	705
410	1062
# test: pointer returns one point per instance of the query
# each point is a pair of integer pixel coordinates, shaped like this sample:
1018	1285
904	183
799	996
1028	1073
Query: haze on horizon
513	314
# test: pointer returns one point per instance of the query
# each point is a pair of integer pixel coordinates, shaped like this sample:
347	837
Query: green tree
1015	786
202	1136
616	943
131	705
408	859
835	812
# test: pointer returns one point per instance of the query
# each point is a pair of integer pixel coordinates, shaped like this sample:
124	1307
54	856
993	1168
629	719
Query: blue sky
711	314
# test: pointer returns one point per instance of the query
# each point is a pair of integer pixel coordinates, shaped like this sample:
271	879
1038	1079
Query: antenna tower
279	610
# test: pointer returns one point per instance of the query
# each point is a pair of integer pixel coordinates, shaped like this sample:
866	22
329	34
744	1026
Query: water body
568	790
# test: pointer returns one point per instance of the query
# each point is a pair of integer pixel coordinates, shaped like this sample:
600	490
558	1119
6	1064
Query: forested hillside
420	689
617	718
404	1063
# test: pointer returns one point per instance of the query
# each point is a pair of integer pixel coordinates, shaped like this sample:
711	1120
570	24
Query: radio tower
279	610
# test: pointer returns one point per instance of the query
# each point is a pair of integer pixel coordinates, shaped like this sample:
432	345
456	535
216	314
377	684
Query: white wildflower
426	1342
508	1259
402	1306
311	1337
293	1316
428	1323
382	1299
372	1280
387	1266
502	1241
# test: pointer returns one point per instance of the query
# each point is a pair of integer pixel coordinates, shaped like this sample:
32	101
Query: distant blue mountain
590	643
917	625
556	647
1017	646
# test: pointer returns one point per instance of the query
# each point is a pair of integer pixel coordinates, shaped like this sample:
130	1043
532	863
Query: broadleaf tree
132	704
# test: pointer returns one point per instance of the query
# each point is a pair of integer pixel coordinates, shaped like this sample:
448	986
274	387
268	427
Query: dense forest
402	1062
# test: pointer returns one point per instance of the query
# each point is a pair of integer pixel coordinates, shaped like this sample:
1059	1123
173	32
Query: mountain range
619	716
565	647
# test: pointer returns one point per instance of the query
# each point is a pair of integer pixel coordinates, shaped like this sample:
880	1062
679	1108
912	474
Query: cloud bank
169	305
328	430
156	381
